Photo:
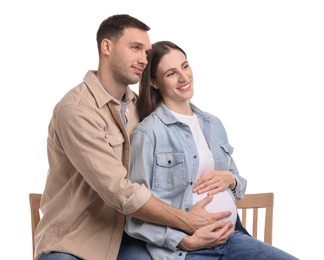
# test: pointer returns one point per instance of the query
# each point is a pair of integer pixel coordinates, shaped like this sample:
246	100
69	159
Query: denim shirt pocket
170	171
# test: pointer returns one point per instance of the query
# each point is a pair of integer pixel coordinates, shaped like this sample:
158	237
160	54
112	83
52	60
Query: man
87	193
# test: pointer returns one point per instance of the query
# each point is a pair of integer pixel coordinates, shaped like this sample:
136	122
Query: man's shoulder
75	95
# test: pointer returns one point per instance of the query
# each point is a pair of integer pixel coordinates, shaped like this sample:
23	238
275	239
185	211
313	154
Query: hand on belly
222	201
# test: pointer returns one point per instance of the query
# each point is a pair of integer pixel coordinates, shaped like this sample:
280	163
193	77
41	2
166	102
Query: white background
258	66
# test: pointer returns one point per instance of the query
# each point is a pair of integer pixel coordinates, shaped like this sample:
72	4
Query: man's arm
161	213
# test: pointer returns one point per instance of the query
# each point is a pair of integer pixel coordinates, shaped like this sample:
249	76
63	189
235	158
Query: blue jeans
241	246
58	256
133	249
130	248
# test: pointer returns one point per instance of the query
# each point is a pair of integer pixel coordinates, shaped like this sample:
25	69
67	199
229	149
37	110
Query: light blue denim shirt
164	157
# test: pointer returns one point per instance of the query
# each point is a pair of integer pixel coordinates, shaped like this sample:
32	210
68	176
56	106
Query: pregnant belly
222	201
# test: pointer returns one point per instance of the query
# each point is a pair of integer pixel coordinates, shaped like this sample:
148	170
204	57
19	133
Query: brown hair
113	27
149	97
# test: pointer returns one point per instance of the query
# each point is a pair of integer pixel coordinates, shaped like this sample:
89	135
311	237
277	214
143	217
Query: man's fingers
219	225
216	216
205	201
222	231
221	215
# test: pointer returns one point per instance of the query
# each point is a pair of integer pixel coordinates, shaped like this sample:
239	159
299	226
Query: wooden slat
34	201
255	202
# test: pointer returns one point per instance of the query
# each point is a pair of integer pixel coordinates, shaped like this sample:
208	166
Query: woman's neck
182	108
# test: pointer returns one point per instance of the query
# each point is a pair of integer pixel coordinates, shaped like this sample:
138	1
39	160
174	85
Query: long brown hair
149	97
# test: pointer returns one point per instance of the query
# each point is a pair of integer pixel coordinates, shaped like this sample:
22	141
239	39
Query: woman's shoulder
148	123
206	115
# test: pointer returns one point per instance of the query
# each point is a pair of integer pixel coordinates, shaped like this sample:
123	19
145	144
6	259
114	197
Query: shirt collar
101	95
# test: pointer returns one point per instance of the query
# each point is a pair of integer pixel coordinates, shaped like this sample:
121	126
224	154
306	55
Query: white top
222	201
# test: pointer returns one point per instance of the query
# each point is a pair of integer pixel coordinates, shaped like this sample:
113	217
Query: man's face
129	55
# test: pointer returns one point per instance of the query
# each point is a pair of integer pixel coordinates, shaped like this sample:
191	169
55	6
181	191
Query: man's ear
106	46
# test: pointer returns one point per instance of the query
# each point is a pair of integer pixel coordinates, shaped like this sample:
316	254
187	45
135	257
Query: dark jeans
58	256
243	247
132	248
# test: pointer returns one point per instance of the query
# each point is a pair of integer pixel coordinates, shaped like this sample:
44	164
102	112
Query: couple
87	192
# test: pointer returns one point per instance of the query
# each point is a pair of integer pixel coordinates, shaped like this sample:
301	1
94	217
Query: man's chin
134	80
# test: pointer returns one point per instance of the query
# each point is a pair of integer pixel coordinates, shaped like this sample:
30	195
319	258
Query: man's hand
208	236
214	181
161	213
200	217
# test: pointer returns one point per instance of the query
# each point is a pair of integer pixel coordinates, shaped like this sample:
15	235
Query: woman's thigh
132	248
244	247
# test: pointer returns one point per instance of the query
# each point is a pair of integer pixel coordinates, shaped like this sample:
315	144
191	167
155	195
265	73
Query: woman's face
174	79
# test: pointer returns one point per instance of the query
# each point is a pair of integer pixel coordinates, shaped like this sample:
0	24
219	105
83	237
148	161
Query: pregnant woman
175	146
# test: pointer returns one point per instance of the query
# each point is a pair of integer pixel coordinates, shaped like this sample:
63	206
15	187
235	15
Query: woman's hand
214	181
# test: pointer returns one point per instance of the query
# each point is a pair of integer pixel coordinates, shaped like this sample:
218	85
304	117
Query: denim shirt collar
165	115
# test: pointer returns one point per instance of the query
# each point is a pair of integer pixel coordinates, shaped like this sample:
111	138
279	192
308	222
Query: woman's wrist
233	185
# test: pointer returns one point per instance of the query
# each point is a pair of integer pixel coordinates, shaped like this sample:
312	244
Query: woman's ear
153	84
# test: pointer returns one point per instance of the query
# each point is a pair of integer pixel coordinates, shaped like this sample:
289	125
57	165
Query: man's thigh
58	256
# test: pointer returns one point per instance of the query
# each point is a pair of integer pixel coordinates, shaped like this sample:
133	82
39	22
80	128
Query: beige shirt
87	191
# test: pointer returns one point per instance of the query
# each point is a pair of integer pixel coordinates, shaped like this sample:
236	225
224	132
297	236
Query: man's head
123	45
113	27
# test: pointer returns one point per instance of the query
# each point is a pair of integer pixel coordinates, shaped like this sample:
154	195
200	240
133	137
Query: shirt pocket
170	171
115	141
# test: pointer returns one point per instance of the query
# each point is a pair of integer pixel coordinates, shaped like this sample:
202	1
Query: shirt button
180	254
195	156
190	183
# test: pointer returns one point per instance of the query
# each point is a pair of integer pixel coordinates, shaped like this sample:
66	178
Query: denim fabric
58	256
132	248
243	247
164	157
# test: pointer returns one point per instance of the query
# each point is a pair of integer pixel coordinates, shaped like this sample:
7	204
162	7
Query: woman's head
167	77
